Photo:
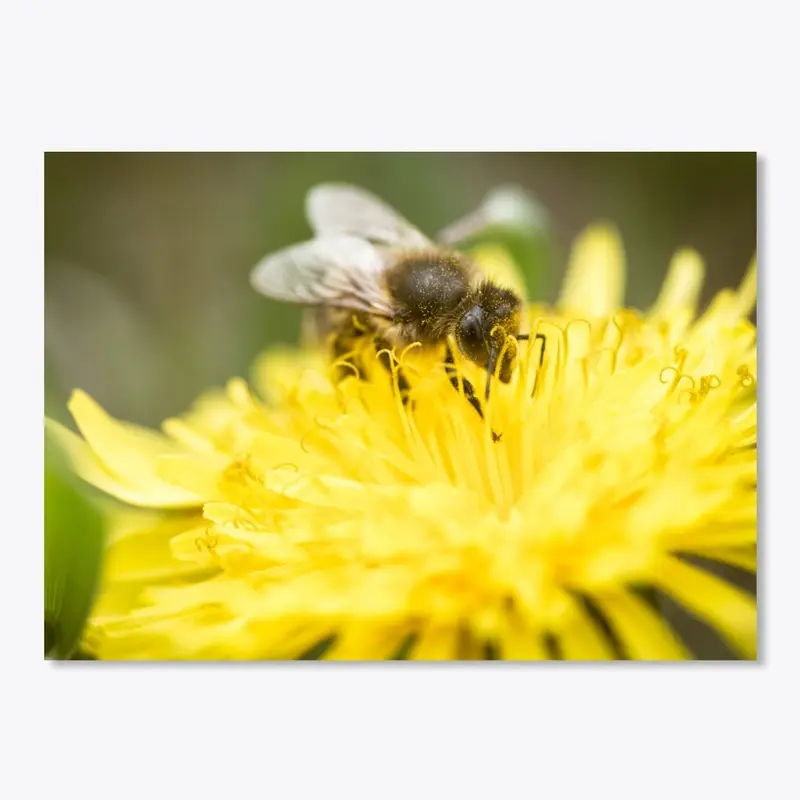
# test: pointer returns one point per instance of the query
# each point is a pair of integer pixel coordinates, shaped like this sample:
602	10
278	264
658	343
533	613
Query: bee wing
340	271
506	206
336	208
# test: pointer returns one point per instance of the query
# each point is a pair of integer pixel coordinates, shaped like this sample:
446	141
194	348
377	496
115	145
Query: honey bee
370	272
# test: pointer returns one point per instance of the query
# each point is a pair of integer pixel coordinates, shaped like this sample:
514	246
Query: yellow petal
496	263
594	285
210	417
583	640
521	644
280	640
365	643
743	557
731	611
277	371
681	289
727	310
198	474
84	461
644	634
734	533
188	436
129	454
139	556
436	644
142	553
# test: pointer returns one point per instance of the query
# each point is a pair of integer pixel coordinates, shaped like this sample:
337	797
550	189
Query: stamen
329	427
394	366
300	480
242	470
358	325
347	401
605	366
746	379
680	357
303	442
343	363
607	334
508	343
558	337
580	348
707	383
283	464
411	346
386	351
577	321
207	544
540	368
244	524
403	363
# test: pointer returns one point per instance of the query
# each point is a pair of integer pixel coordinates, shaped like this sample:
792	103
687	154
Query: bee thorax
428	289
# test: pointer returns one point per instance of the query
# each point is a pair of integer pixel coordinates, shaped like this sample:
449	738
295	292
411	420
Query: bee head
490	316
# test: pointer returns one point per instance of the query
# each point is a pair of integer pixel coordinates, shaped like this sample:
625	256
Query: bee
370	272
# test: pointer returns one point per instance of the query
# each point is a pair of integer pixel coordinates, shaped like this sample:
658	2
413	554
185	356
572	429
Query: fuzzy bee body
369	272
427	289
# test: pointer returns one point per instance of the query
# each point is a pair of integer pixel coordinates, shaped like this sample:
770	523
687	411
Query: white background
397	76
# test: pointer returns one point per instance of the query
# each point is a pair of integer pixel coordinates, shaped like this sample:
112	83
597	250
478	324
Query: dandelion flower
314	515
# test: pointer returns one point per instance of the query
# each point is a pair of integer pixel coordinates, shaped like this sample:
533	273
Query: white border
371	76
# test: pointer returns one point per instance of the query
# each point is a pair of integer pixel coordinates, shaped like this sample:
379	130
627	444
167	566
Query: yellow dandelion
316	515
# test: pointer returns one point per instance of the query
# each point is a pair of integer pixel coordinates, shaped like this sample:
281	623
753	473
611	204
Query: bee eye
470	327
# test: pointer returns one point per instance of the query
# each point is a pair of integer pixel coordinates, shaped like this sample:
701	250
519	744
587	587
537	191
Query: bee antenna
523	337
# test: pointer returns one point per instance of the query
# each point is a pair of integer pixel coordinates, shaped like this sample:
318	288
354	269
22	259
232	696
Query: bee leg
523	337
381	346
469	389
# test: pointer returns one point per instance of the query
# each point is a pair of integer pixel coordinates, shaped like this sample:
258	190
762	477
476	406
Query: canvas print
401	406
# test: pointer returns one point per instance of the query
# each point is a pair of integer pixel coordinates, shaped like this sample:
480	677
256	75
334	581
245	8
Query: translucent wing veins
334	208
341	271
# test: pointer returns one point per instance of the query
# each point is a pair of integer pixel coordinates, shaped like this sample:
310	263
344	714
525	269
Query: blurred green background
147	255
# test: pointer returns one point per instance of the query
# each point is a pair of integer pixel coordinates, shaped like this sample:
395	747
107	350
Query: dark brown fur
427	290
435	295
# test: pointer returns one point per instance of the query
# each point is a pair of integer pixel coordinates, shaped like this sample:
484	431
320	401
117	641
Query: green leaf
73	552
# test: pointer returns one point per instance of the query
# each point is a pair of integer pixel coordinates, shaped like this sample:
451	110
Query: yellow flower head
316	512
